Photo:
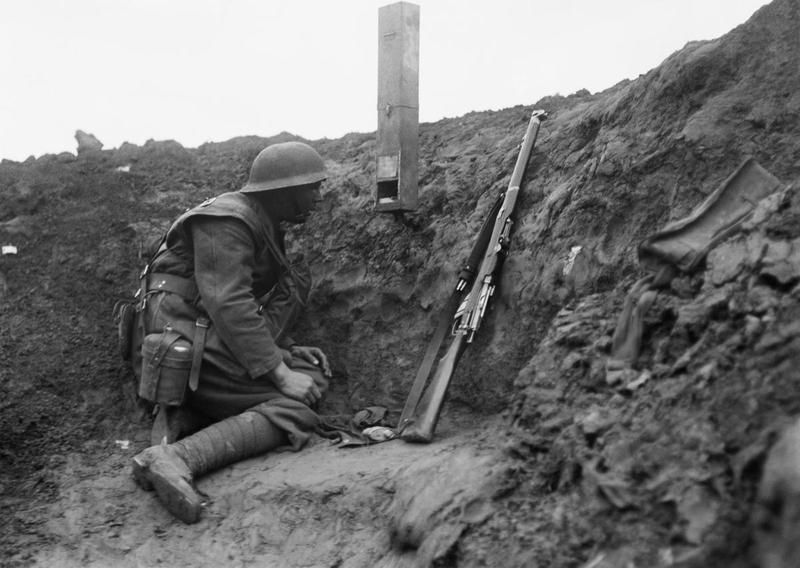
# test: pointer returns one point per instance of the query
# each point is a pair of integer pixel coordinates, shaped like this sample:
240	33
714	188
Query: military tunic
250	294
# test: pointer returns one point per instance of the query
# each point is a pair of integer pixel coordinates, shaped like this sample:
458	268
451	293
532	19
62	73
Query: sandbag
681	247
685	243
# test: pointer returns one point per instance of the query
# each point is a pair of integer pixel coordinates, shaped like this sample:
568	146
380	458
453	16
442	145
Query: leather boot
160	468
170	469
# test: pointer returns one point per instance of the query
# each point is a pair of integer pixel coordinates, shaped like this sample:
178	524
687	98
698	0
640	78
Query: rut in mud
541	460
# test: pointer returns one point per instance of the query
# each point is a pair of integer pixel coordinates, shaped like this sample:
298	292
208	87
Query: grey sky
209	70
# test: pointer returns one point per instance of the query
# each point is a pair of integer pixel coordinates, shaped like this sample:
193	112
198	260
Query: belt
163	282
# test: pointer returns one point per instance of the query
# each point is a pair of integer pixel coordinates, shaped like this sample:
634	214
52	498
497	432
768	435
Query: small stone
643	377
752	327
572	360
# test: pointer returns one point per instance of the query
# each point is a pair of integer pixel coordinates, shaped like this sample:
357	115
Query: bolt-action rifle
419	417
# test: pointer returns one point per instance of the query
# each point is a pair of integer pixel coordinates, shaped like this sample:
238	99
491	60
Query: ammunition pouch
166	367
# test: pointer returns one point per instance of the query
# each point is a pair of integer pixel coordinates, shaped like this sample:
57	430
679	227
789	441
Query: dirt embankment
541	461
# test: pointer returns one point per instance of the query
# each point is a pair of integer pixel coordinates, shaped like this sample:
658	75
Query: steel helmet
287	164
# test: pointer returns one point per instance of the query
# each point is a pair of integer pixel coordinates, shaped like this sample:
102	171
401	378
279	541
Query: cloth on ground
365	427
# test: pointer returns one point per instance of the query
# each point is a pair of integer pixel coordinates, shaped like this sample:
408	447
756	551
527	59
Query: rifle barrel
501	229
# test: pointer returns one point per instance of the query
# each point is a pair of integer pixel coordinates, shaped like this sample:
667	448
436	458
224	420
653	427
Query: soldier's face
305	201
290	204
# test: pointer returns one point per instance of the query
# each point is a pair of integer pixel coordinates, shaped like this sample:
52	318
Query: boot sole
177	496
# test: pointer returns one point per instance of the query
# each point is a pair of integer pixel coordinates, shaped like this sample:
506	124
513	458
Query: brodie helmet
287	164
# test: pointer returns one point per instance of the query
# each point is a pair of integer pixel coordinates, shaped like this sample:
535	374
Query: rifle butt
421	427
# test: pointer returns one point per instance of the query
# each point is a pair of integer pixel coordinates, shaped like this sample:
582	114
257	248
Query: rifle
419	417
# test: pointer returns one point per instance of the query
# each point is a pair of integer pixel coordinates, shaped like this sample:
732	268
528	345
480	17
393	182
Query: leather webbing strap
198	345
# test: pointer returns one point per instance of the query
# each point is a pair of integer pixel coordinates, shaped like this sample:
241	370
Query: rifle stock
420	426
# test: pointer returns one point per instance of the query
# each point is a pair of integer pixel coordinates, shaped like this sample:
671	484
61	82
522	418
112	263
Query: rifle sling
484	235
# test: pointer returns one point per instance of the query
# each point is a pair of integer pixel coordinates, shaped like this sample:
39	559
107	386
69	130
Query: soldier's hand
313	355
293	384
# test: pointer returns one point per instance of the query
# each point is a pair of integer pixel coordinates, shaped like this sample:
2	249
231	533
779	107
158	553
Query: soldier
221	290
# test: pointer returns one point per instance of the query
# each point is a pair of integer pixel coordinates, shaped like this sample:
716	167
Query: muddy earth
541	459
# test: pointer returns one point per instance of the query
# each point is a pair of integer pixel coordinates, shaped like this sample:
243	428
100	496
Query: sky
200	71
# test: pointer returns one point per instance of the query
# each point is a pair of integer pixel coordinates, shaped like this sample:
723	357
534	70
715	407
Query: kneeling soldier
221	290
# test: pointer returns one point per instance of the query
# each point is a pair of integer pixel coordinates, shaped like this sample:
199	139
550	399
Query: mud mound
654	470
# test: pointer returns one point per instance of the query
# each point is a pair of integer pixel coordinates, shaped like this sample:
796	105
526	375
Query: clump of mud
656	470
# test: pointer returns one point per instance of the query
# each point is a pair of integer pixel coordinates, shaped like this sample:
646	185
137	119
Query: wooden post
397	145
